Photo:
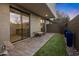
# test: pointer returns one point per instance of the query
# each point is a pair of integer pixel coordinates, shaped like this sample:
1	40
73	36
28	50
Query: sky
71	9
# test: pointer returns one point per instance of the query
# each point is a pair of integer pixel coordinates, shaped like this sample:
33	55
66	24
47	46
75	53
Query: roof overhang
40	9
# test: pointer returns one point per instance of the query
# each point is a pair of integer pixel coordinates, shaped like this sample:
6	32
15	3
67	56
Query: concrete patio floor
28	47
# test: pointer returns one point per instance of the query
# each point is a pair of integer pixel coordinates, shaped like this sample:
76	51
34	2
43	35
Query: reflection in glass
25	23
19	26
15	24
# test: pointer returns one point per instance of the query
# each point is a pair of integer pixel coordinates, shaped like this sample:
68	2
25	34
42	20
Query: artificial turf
54	47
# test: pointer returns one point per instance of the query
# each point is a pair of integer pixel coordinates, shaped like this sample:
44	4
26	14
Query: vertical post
45	26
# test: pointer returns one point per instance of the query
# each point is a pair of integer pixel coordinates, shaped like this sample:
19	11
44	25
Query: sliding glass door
19	26
25	26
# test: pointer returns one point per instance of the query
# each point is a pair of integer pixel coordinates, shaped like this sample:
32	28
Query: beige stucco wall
4	22
34	24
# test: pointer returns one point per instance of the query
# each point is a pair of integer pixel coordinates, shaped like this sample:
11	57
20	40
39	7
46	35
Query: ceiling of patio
37	8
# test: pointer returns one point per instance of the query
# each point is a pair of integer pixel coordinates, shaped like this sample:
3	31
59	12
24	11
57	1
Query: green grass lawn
54	47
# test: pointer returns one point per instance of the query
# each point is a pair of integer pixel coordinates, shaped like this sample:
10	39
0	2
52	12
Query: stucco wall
34	24
4	22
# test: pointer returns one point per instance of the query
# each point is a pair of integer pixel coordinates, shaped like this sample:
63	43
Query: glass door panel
25	23
15	26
